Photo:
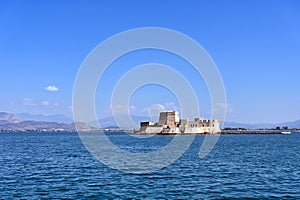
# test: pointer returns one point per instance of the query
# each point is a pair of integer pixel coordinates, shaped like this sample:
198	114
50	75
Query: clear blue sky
255	44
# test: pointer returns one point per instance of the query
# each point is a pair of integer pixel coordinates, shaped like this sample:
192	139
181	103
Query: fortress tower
169	118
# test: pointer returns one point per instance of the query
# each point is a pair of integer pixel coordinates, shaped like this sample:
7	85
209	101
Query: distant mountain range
9	118
47	118
109	122
14	122
25	121
292	124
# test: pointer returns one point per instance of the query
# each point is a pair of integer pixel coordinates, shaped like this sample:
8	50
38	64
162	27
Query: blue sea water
57	166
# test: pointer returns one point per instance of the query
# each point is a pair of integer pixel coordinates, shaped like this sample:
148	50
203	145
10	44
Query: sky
254	44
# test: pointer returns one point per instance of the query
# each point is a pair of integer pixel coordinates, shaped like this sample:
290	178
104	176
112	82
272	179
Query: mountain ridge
290	124
12	122
47	118
9	117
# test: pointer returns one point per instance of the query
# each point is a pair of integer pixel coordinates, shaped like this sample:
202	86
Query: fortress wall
153	129
168	121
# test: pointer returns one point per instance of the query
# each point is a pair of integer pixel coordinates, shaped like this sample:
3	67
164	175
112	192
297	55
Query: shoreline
226	132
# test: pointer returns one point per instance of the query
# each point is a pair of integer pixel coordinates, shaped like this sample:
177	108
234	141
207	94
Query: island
169	123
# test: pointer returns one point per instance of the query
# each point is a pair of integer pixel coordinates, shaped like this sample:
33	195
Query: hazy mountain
9	118
41	125
109	122
292	124
47	118
33	125
10	121
232	124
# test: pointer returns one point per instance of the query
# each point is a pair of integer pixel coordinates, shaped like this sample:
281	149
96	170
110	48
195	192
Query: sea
58	166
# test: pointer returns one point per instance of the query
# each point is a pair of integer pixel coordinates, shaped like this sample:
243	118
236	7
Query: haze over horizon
255	45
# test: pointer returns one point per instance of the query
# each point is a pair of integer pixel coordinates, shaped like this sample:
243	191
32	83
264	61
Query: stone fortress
169	123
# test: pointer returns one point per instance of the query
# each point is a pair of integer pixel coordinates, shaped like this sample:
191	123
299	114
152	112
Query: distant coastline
13	123
223	132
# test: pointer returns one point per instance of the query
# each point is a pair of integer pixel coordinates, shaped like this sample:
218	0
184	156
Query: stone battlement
169	122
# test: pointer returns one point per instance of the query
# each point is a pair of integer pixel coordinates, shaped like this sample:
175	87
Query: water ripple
56	166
